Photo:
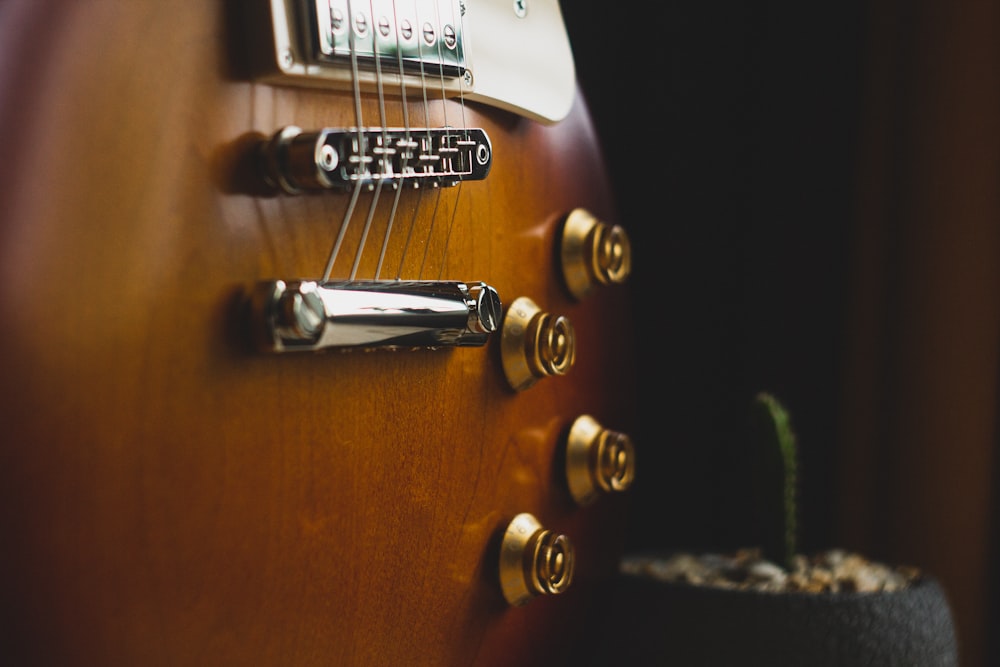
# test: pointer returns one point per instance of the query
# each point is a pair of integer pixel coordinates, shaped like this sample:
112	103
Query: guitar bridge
308	315
338	158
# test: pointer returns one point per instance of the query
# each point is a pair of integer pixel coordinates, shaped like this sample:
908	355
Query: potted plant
771	605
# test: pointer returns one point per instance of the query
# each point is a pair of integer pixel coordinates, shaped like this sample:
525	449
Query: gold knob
598	460
593	252
533	561
535	344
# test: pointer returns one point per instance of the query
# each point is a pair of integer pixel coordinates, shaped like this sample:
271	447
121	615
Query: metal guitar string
427	124
404	164
381	176
360	179
444	112
465	129
356	191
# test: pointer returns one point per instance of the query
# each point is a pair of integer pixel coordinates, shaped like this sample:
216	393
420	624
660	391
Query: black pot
652	622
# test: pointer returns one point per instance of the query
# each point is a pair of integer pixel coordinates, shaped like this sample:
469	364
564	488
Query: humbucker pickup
509	54
339	158
425	38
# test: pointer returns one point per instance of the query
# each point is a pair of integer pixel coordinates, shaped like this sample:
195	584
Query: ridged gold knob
598	460
593	252
533	561
535	344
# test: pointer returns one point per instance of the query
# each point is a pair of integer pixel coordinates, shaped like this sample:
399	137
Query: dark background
729	130
812	191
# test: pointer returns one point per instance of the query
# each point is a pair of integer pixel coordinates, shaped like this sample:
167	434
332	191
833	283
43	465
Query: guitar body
169	494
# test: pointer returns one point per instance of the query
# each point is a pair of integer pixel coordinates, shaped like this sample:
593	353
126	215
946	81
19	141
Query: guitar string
405	157
445	136
427	131
349	213
381	173
460	35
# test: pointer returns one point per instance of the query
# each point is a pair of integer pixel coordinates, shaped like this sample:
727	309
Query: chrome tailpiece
299	315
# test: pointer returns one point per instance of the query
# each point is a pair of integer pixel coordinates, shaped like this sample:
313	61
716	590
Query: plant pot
656	622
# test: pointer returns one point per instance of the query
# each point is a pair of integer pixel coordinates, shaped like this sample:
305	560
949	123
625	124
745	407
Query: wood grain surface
170	496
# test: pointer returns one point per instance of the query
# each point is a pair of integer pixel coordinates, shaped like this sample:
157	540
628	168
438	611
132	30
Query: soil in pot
833	609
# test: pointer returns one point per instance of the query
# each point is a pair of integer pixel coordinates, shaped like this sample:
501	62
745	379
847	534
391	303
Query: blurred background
813	196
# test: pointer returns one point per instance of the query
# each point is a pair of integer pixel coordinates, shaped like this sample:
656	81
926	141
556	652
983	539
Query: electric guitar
316	336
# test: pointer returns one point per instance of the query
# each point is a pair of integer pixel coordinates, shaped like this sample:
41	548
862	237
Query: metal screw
406	30
328	158
450	39
361	24
488	310
336	20
429	35
301	314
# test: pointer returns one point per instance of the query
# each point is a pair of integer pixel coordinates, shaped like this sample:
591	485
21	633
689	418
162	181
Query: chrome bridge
338	158
308	315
